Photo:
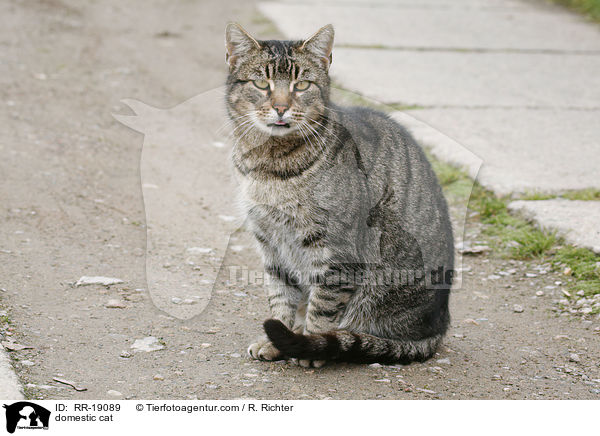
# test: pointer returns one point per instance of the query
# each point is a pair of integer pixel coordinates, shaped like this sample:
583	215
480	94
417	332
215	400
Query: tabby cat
351	222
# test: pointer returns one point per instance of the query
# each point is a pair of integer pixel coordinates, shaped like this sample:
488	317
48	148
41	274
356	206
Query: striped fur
345	209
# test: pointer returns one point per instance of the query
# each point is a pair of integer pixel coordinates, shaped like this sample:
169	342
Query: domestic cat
348	215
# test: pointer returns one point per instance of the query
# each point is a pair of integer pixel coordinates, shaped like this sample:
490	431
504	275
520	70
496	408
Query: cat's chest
289	198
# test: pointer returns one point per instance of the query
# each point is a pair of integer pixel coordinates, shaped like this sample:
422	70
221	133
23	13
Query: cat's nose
280	108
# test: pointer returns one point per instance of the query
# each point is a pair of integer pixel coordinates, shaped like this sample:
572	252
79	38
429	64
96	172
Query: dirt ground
71	205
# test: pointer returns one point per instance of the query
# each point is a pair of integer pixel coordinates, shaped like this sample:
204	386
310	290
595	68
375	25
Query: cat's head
279	87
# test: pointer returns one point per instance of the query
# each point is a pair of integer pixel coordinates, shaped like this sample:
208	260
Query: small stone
205	345
458	335
382	380
444	361
566	293
574	357
97	280
567	271
113	393
27	362
199	250
581	293
236	355
427	391
530	275
496	377
126	355
540	293
115	304
176	300
470	321
240	294
586	310
494	277
158	377
147	344
189	301
518	308
375	365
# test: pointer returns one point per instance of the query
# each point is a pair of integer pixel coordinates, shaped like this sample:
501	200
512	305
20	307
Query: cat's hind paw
305	363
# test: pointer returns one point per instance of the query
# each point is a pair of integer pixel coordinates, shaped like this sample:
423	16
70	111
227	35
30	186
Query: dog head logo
26	415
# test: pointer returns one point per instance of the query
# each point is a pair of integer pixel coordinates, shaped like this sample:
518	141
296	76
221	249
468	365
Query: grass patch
584	266
589	8
514	237
536	196
589	194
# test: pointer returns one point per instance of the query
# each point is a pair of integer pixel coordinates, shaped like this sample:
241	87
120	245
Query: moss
589	8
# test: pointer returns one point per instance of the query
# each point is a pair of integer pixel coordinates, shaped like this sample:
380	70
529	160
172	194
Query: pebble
530	275
158	377
27	362
540	293
113	393
494	277
176	300
236	355
147	344
240	294
227	218
427	391
567	271
574	357
444	361
470	321
188	301
518	308
383	380
97	280
126	355
205	345
115	304
199	250
375	365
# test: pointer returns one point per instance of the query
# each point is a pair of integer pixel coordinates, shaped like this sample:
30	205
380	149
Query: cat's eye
261	84
302	85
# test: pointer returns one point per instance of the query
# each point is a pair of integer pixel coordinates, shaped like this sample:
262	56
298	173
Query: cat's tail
345	346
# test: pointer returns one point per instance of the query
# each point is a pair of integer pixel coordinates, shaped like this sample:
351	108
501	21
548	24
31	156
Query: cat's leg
326	307
283	300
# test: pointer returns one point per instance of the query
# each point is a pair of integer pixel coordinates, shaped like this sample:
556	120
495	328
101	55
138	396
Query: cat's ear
321	44
237	42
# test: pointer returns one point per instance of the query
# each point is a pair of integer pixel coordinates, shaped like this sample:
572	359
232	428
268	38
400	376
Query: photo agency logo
24	415
197	239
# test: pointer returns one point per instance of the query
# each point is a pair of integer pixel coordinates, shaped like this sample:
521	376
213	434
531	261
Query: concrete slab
496	25
10	389
523	150
469	79
577	221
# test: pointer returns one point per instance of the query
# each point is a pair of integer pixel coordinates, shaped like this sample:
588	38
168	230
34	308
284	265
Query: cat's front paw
263	349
